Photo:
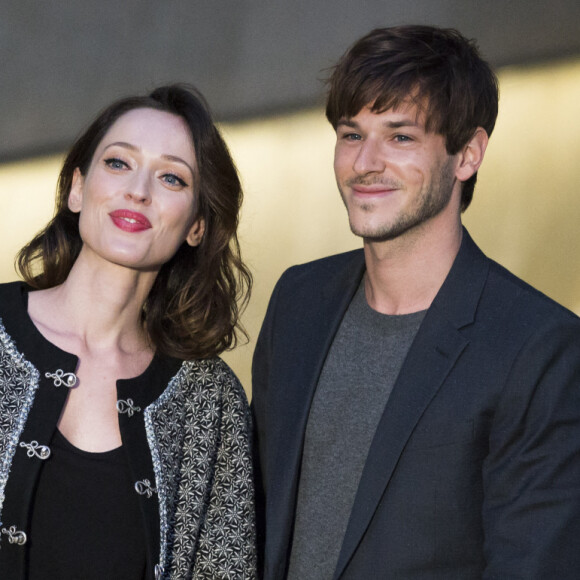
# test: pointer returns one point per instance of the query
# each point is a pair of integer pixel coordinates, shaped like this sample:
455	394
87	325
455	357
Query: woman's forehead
156	132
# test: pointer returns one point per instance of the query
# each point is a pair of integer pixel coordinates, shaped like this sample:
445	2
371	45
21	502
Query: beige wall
525	212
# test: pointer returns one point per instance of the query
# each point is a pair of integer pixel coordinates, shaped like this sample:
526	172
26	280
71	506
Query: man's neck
404	275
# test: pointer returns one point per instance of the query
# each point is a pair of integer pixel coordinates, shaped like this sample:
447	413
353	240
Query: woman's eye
172	179
115	163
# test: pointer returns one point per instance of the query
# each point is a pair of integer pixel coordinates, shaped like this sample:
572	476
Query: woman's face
137	201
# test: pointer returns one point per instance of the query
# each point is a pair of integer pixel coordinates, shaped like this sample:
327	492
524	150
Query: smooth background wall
61	60
525	211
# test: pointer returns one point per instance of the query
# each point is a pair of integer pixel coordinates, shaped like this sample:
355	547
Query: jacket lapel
321	317
433	354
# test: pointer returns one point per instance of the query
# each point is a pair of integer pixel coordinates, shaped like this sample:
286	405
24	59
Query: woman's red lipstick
130	221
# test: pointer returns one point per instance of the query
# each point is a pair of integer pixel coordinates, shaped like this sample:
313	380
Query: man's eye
115	163
402	138
352	137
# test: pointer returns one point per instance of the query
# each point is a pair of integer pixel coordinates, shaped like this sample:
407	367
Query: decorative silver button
34	449
127	407
61	378
158	571
145	488
15	536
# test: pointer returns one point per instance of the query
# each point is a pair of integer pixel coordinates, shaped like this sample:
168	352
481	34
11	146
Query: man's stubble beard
430	203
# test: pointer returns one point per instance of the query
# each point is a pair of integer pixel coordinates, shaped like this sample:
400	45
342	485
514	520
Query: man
417	407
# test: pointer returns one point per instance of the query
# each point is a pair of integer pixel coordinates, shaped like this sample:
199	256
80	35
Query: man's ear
471	157
75	196
196	232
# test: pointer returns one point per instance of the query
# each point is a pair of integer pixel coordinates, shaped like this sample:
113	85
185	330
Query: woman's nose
140	190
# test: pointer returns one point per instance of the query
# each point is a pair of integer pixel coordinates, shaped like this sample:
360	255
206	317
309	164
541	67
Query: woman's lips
130	221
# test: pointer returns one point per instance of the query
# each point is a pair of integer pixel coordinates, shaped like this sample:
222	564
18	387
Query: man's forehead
406	113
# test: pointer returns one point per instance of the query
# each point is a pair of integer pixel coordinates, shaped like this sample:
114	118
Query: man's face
393	176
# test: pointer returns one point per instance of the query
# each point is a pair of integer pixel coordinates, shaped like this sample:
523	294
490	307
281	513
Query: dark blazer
474	470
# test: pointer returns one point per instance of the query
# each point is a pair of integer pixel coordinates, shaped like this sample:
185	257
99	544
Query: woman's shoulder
211	375
10	293
13	312
208	390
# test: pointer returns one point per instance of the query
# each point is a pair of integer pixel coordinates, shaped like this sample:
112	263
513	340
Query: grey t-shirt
354	386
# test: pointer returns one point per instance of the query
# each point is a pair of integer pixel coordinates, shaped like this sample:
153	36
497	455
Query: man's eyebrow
347	123
402	123
388	124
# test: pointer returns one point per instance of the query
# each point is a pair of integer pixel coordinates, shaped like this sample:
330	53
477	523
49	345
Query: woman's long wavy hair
194	306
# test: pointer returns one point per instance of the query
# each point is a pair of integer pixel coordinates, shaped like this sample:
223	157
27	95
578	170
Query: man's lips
130	221
373	190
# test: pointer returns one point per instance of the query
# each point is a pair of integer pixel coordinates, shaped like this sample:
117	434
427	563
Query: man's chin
380	233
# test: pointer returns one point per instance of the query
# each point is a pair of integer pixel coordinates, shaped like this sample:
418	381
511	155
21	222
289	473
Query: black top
40	424
85	518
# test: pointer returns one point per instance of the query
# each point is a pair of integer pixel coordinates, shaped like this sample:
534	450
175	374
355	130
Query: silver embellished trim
144	487
34	449
69	380
15	536
127	407
18	385
158	572
154	446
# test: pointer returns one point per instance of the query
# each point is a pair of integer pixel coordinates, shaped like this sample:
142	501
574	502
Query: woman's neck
95	309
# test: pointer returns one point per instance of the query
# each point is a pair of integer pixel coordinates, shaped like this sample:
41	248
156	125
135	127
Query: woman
124	448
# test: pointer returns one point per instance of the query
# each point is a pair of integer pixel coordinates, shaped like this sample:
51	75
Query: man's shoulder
527	299
477	283
515	312
303	289
329	267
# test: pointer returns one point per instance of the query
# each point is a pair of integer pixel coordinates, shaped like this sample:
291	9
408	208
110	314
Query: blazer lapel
321	317
433	354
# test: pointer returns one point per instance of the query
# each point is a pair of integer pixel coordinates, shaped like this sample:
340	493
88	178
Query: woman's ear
196	232
75	196
471	157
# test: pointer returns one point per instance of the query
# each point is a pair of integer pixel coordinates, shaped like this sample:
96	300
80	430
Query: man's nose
370	158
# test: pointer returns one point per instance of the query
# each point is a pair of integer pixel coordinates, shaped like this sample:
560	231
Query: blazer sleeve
260	382
227	544
531	476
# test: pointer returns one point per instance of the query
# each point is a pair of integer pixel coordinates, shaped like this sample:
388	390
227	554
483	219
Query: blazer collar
457	298
436	347
459	295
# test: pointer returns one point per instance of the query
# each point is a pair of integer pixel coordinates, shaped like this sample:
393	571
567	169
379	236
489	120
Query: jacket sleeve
531	509
260	386
226	548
